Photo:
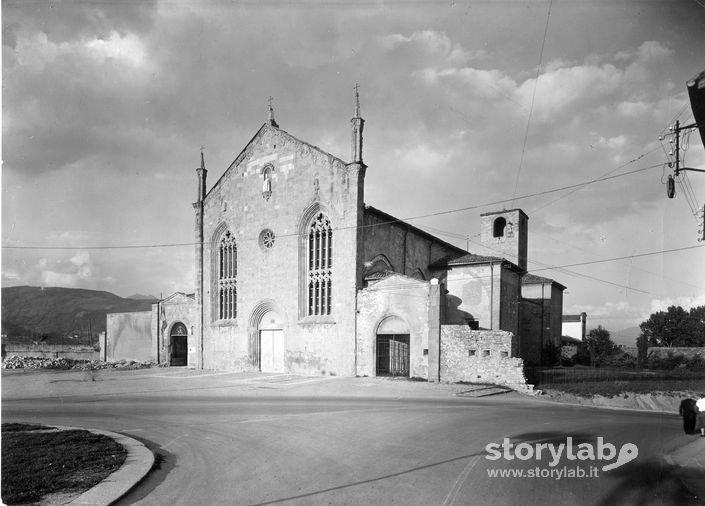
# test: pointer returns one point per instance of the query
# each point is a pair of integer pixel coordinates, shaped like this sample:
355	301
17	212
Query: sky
469	107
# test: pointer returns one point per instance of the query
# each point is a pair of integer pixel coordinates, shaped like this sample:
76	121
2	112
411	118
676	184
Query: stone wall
50	351
480	356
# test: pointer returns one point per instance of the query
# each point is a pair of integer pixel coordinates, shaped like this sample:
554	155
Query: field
588	382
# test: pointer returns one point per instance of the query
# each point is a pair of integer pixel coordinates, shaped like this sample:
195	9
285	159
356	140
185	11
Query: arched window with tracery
320	264
227	277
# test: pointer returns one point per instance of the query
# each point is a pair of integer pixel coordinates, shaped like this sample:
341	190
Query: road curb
613	408
138	463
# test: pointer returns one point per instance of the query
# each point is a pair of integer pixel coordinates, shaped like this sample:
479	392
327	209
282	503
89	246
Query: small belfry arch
498	227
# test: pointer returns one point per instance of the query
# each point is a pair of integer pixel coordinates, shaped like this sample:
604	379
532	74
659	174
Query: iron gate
393	355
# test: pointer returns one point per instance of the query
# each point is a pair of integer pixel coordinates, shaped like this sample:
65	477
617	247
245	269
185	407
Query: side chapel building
295	273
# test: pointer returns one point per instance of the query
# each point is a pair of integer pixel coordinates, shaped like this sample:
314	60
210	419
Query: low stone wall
481	356
50	351
689	352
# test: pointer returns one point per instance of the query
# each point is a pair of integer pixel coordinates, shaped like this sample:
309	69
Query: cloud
648	51
434	43
77	271
35	52
64	279
10	275
564	88
686	302
82	261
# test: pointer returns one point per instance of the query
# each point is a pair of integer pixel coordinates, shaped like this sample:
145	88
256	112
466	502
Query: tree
675	327
642	344
598	346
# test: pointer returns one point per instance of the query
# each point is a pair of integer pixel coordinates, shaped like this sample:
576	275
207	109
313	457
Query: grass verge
618	387
37	461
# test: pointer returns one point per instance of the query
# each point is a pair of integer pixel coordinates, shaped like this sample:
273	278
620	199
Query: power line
569	272
566	271
633	160
533	98
638	255
438	213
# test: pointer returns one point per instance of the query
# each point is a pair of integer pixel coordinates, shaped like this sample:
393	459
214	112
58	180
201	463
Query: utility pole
676	166
677	169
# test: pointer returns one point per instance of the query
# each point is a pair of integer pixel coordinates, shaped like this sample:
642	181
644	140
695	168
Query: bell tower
506	233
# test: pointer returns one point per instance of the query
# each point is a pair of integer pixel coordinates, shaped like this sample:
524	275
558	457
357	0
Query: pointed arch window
320	264
227	277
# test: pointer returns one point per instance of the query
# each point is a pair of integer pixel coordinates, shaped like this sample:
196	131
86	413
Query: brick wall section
492	361
407	249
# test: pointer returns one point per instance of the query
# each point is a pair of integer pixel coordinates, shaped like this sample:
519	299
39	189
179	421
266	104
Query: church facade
295	273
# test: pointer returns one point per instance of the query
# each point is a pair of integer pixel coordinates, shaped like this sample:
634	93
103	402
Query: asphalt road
225	438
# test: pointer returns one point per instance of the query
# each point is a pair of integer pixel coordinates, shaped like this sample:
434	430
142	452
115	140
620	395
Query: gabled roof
379	275
472	259
572	318
533	279
570	340
506	211
264	128
389	277
178	295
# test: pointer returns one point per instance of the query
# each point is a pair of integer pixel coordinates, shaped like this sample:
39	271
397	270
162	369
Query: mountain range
58	313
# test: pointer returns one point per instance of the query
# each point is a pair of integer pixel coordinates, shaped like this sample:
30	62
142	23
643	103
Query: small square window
425	352
504	354
485	353
472	353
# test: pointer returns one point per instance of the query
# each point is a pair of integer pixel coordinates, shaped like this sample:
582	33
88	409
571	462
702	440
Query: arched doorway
392	347
271	343
178	337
